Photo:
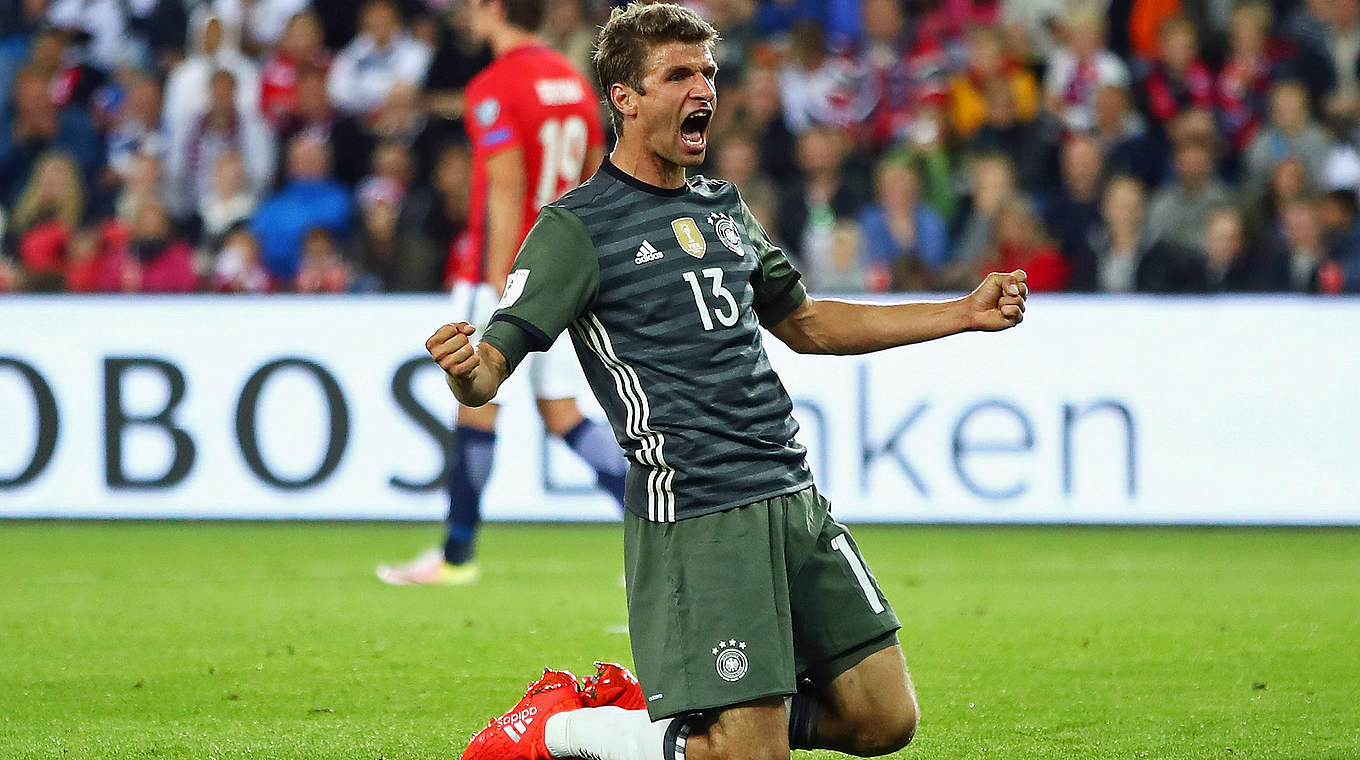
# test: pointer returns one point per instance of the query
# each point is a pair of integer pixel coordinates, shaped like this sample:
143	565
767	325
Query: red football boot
518	734
612	684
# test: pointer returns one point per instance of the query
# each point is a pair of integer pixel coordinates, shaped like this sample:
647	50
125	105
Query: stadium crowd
1164	146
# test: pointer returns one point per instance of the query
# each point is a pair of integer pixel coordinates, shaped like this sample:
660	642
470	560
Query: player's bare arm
504	209
823	326
473	373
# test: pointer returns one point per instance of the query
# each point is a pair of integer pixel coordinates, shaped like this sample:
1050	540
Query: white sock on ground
607	733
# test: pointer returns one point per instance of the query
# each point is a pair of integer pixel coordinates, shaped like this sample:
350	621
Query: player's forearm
842	328
479	386
504	210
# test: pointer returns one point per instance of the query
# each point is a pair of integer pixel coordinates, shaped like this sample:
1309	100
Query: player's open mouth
694	129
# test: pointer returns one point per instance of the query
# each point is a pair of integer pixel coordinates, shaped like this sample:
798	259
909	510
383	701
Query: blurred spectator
1126	259
926	151
1180	211
1025	142
905	67
263	23
458	56
153	259
135	124
106	24
566	29
1136	27
1177	79
819	88
383	55
760	112
323	270
36	126
221	129
1244	81
213	48
1291	133
389	256
844	268
1124	139
738	163
51	206
237	268
970	100
72	80
740	45
54	194
309	200
1288	182
301	47
85	256
1228	266
1074	213
1030	25
228	203
348	137
811	208
1296	257
1078	70
400	121
144	183
900	226
1019	242
19	21
1341	55
991	181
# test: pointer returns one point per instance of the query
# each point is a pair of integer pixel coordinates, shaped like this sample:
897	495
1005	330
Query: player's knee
887	729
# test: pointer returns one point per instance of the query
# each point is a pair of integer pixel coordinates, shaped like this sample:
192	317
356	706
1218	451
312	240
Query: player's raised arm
474	373
839	327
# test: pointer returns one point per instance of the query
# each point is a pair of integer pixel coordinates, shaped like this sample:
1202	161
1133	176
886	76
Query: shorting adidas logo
646	252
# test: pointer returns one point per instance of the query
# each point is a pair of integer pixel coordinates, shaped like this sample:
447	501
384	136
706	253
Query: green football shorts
737	605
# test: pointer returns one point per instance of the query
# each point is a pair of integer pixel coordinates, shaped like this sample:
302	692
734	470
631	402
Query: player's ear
624	98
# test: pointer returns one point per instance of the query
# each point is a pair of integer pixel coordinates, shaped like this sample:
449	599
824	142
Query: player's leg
855	695
474	448
868	710
469	468
556	380
756	730
753	731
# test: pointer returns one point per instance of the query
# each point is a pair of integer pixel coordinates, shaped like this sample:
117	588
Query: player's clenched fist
451	349
999	302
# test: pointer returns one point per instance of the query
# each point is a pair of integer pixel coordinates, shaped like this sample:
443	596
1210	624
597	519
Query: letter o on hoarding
49	423
247	436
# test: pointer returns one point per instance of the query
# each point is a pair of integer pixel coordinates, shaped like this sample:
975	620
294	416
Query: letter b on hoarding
117	420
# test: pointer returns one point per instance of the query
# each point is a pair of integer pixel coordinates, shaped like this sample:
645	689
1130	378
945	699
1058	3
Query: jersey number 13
726	310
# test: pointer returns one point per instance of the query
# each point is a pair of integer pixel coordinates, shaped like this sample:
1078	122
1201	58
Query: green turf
185	640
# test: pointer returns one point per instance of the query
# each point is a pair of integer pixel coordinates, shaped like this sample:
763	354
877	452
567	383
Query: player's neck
509	38
645	165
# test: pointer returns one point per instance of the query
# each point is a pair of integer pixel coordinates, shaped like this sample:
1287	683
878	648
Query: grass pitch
193	640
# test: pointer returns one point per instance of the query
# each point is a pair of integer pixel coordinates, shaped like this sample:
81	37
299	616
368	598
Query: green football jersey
664	292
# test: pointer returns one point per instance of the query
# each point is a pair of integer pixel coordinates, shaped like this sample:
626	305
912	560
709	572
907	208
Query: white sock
609	733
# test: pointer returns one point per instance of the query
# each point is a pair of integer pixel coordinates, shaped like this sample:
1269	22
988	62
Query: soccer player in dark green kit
756	625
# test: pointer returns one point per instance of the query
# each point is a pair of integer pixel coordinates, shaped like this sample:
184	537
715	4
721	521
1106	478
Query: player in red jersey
534	124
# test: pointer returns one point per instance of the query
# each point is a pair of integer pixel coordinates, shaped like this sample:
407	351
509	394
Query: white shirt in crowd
363	73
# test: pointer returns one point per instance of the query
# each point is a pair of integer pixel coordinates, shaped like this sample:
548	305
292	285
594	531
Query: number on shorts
840	544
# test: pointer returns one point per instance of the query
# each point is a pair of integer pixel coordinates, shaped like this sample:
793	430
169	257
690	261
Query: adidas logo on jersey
646	252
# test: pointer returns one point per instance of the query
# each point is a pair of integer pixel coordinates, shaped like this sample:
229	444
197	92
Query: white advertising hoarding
1241	410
